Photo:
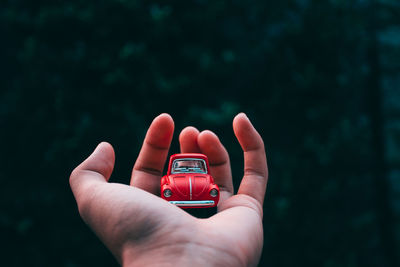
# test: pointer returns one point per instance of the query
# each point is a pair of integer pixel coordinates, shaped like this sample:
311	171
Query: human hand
141	229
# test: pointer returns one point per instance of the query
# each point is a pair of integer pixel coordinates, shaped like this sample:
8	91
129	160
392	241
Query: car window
188	166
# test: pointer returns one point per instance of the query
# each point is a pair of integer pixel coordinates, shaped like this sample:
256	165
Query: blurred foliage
75	73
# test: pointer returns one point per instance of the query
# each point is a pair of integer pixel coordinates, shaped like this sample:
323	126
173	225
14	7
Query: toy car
188	183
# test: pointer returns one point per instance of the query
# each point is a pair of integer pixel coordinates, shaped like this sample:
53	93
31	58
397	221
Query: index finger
149	165
255	176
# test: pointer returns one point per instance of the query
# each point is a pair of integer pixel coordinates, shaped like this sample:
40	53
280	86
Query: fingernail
244	114
100	144
96	148
210	132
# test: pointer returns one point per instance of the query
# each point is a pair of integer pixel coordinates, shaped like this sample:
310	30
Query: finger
255	177
96	168
218	158
188	140
149	165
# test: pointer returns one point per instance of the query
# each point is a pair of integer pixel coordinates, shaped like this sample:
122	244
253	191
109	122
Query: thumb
96	168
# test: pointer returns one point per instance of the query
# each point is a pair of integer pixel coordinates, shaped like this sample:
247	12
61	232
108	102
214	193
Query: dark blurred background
319	79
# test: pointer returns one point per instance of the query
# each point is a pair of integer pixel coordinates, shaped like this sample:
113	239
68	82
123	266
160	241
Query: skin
141	229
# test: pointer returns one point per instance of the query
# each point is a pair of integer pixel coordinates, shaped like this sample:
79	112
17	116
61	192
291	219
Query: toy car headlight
213	192
167	193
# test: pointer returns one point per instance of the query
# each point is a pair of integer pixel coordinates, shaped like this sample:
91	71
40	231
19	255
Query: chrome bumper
193	203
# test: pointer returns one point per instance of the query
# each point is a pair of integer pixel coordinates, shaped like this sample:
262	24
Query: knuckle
262	142
84	192
84	209
73	176
254	204
253	172
87	194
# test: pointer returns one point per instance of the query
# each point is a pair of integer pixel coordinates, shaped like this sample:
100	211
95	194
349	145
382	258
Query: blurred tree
318	78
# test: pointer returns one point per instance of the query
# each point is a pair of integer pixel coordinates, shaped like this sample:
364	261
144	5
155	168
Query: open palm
141	229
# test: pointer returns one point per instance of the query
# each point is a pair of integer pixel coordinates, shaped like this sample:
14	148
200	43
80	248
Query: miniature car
188	183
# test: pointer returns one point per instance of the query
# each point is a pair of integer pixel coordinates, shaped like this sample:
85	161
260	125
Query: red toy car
188	183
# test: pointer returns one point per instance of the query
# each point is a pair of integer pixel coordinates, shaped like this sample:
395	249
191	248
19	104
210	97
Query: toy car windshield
188	166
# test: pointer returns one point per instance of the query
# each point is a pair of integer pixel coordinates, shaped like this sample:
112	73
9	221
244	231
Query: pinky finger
255	176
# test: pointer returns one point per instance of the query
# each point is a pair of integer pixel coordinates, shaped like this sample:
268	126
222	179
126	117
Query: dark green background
319	79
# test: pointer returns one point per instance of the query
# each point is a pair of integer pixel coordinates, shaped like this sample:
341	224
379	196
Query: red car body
188	183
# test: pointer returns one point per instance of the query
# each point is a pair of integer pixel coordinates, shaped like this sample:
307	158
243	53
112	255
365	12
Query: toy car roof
188	155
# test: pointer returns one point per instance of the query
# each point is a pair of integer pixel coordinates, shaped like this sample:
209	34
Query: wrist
188	254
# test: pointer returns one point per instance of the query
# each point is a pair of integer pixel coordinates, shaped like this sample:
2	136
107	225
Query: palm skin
141	229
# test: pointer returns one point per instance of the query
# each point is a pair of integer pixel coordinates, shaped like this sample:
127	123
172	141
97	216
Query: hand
141	229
